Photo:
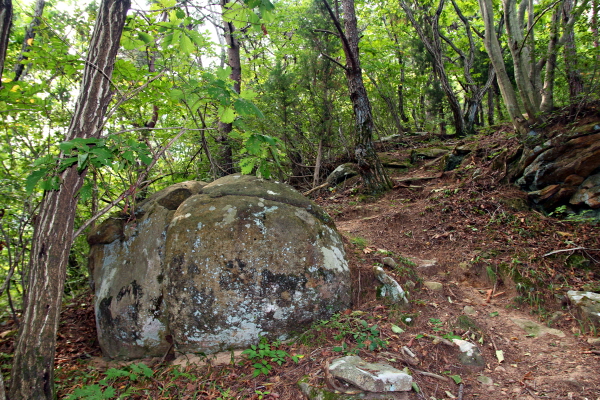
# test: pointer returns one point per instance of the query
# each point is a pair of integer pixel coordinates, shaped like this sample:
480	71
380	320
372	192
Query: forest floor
463	229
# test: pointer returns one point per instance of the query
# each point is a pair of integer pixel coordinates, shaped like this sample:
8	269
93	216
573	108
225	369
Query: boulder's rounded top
252	186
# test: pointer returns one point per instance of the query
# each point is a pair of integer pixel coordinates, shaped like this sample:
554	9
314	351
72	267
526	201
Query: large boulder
238	259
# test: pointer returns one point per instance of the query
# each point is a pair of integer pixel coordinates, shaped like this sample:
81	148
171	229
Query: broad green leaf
34	178
223	73
186	45
246	166
227	115
397	329
456	378
148	39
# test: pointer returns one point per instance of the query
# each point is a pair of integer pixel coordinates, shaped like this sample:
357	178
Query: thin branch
573	249
327	31
132	188
333	60
345	43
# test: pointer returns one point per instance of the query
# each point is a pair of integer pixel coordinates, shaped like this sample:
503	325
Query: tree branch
133	187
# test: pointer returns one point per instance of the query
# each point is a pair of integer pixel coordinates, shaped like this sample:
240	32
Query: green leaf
146	38
34	178
186	45
227	115
223	73
456	378
246	166
86	191
397	329
82	159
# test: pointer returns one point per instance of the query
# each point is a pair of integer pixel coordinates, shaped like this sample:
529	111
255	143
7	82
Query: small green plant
105	389
264	354
359	242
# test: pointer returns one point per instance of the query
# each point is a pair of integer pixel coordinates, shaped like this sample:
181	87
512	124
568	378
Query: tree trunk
434	48
570	53
492	46
235	63
29	35
374	176
548	89
521	56
33	366
6	12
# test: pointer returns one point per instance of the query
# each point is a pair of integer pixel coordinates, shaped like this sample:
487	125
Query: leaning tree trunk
492	45
570	53
235	63
29	36
374	176
33	366
6	12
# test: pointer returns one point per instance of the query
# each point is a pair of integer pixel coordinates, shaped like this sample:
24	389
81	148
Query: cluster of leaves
264	354
104	389
353	332
114	151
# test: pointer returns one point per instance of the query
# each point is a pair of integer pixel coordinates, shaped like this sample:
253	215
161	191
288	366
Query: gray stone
469	354
536	330
372	377
389	262
317	393
485	380
341	173
243	258
588	304
588	193
468	310
391	288
594	342
433	286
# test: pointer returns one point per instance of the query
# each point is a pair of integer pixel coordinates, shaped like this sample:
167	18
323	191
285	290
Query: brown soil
491	254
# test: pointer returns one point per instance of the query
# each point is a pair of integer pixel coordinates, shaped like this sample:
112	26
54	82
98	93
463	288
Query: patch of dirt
492	258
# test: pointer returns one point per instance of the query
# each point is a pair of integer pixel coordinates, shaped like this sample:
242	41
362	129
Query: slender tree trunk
235	63
490	106
33	366
6	13
434	48
548	89
521	56
374	176
492	46
38	10
570	53
594	27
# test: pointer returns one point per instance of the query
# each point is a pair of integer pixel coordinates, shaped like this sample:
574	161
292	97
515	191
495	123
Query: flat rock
433	286
588	304
469	354
391	288
534	329
372	377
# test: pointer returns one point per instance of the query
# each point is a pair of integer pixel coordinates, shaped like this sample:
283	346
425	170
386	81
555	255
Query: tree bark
570	53
33	366
494	51
38	10
6	13
235	63
521	55
434	48
548	88
374	176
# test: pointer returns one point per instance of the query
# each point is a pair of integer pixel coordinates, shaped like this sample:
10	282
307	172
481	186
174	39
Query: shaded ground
491	256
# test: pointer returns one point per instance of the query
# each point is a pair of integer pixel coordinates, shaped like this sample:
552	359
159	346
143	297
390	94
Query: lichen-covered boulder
249	257
128	276
216	267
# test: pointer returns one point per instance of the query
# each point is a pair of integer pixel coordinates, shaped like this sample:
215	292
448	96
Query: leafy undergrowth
492	253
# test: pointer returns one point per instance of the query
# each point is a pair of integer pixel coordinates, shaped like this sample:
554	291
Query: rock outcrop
564	171
211	268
